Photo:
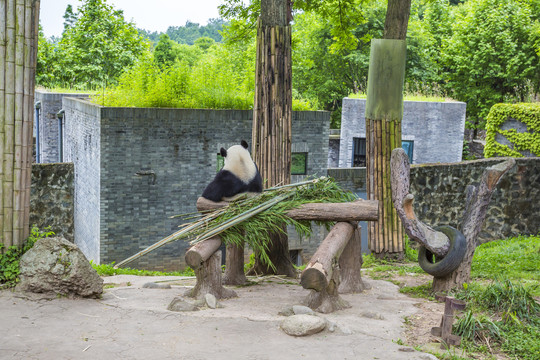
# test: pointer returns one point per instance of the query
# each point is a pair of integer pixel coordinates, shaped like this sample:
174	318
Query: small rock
372	315
387	297
331	326
406	349
153	285
211	301
288	311
428	357
302	325
301	309
345	330
179	304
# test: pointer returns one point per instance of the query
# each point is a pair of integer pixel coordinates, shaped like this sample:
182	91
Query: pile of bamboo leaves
251	220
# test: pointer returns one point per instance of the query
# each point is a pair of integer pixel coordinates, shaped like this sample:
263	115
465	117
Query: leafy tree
491	56
204	43
164	54
46	61
98	47
70	17
190	32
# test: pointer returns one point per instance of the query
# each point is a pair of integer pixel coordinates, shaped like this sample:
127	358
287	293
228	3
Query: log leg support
234	270
205	260
322	274
350	264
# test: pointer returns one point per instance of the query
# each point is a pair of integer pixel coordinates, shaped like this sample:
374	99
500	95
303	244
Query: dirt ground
132	322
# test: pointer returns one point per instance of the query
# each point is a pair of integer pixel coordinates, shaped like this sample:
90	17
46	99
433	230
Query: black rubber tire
452	260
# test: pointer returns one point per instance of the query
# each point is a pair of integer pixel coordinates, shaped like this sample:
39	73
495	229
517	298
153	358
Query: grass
503	312
109	270
407	97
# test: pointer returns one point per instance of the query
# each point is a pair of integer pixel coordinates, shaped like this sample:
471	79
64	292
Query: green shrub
109	270
529	140
9	258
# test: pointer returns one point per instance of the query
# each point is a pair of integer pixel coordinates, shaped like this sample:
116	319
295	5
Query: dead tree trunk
272	115
322	274
437	242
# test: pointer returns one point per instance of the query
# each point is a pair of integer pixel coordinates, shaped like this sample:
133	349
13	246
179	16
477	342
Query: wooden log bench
201	256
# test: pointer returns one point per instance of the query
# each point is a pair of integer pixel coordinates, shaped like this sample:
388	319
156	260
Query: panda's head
238	161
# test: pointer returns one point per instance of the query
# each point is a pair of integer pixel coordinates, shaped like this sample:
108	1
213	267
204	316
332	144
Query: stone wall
436	128
439	191
134	168
51	199
51	104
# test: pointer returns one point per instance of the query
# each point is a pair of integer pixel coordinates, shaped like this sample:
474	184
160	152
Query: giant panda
238	175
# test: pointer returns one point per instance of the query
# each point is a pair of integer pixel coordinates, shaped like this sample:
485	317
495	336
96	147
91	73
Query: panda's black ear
244	144
223	152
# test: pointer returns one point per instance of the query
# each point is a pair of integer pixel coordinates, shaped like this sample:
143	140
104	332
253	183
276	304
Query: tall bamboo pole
272	114
18	54
384	112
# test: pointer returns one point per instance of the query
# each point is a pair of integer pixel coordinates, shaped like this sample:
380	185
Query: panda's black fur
238	175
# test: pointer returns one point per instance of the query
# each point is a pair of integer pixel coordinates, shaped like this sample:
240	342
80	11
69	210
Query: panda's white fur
239	162
239	175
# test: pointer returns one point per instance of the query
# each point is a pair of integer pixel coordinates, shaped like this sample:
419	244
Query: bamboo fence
18	54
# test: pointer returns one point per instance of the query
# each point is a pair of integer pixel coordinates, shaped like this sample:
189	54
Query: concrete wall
435	127
51	198
82	147
51	104
174	153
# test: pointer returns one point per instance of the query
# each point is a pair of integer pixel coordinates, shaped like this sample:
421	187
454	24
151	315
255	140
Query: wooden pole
18	54
384	111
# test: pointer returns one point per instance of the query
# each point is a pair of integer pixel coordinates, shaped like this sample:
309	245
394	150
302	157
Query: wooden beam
359	210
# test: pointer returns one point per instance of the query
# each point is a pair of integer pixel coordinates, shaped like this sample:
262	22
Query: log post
234	269
209	280
322	274
205	260
350	265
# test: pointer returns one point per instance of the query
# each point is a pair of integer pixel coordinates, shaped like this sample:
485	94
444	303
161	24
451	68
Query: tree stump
322	274
205	260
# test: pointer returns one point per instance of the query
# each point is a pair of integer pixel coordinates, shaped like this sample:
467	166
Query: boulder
303	325
55	266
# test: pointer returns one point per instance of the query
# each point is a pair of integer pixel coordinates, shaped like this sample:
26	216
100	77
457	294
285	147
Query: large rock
302	325
56	266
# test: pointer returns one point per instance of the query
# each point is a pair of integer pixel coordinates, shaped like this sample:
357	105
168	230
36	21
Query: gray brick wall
435	127
51	104
118	212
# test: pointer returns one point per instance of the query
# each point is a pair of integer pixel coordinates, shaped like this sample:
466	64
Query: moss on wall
528	114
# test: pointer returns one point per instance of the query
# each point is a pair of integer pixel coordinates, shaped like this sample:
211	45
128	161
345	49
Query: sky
153	15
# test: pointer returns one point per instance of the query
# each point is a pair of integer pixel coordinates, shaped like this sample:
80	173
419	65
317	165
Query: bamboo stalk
175	236
239	218
3	39
9	122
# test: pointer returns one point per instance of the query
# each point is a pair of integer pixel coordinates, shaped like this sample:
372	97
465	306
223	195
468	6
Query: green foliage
529	114
514	258
96	46
502	314
164	55
9	257
109	270
490	57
